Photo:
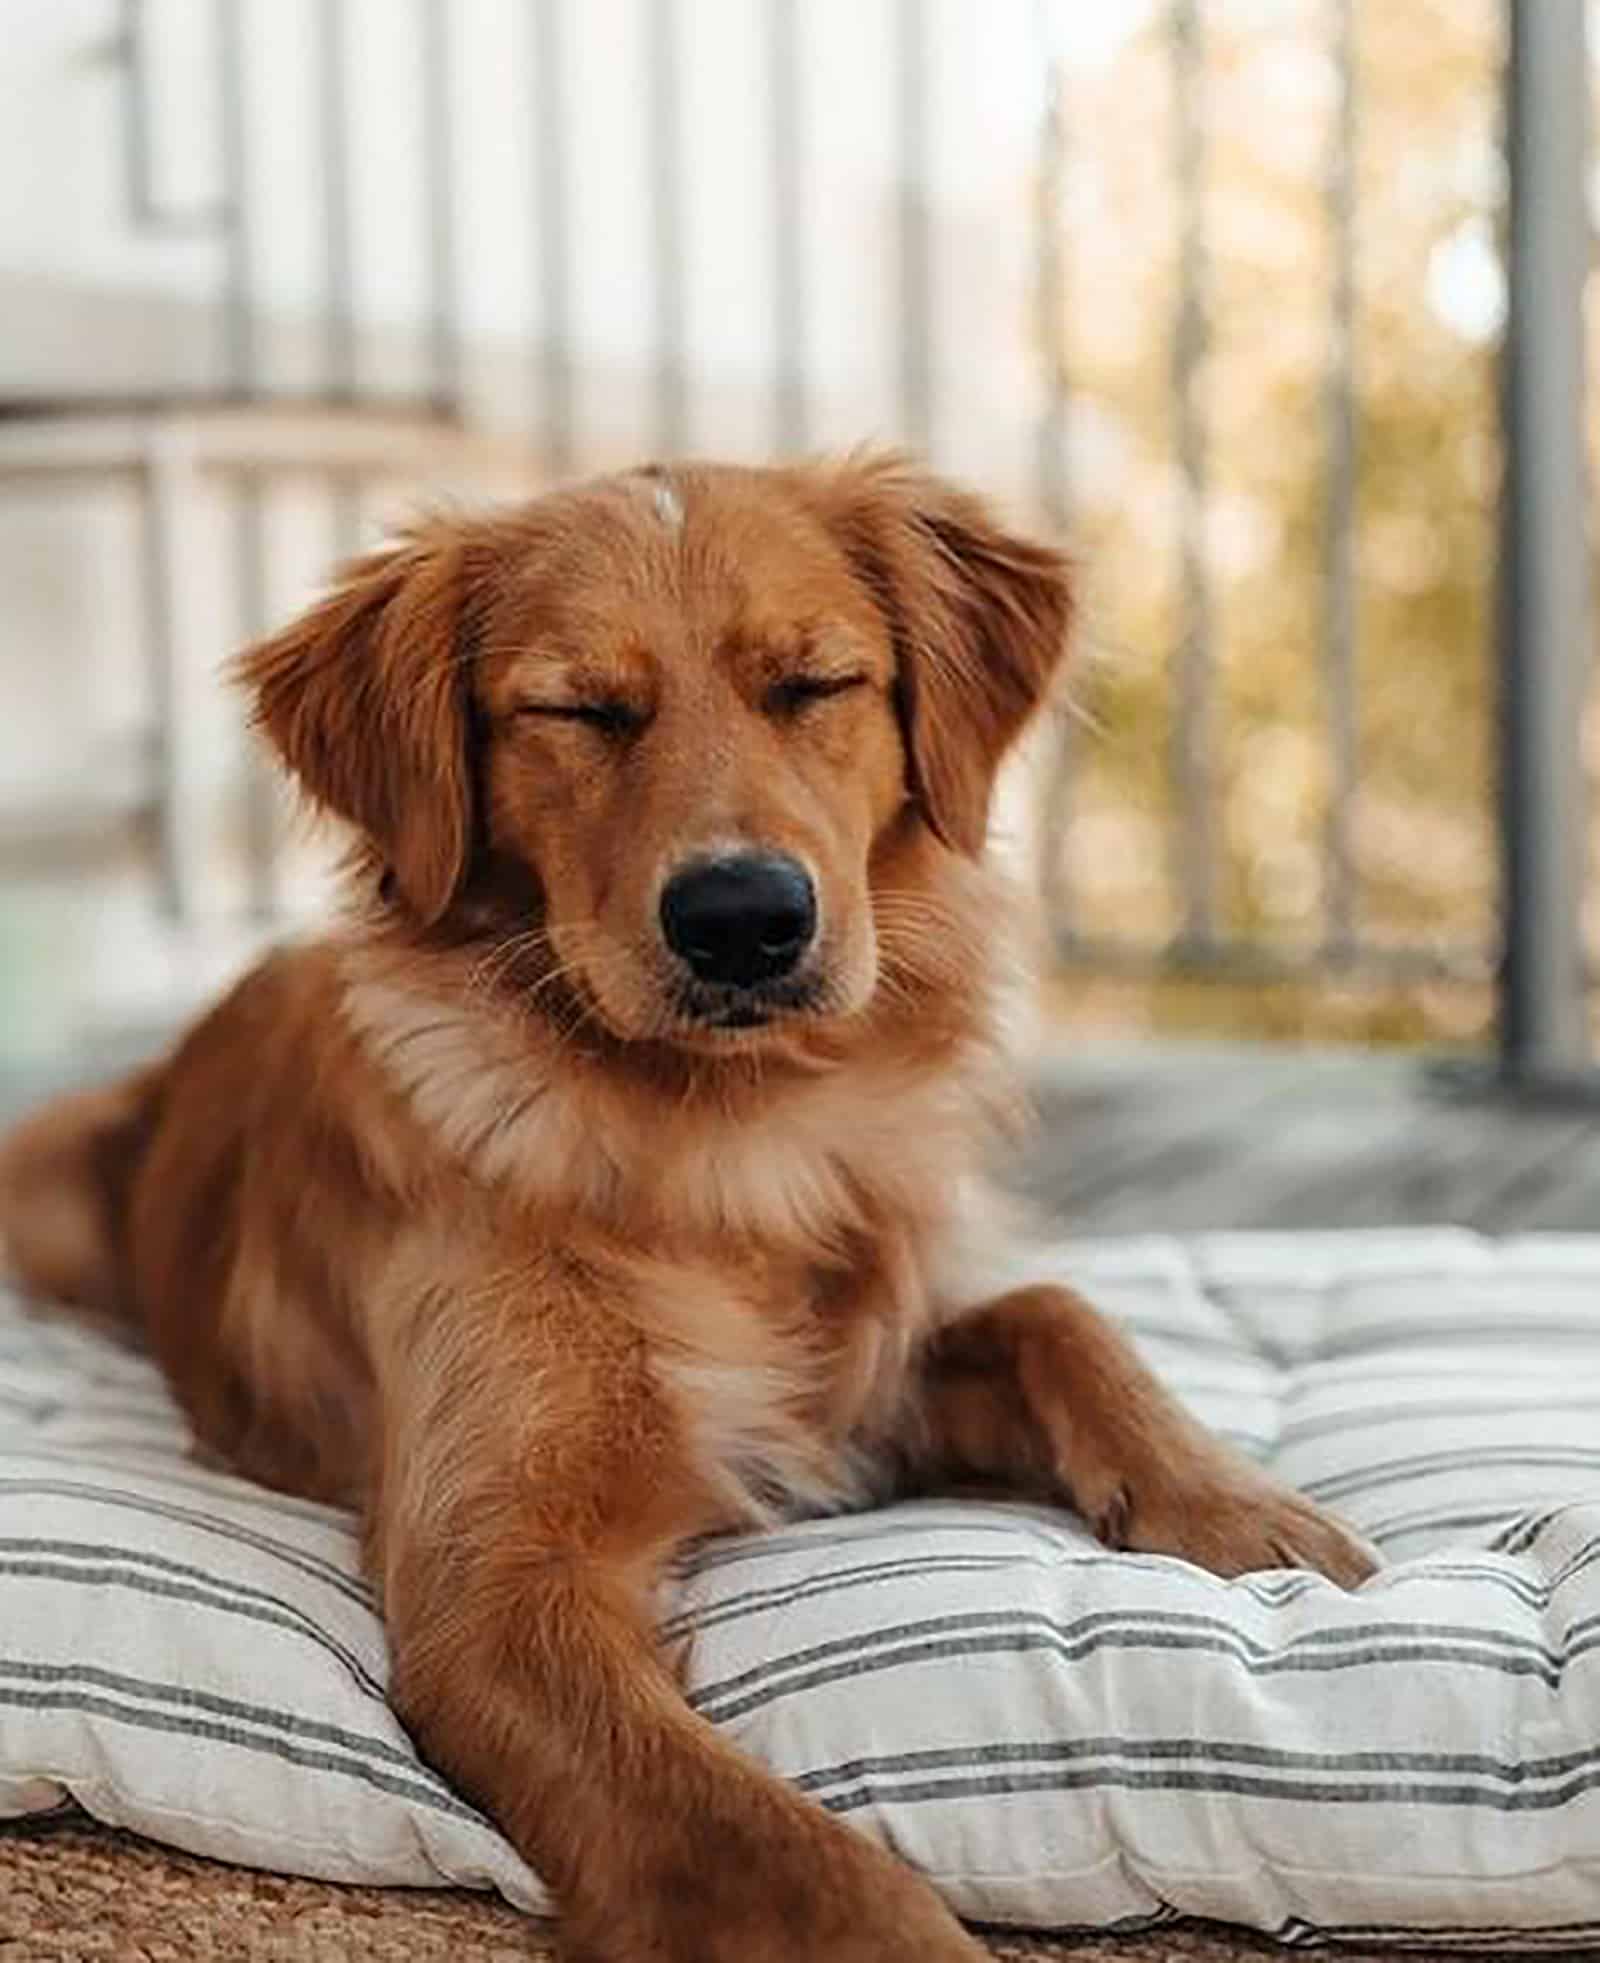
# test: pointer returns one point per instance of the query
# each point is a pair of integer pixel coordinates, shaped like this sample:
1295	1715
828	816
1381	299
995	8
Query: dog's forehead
700	553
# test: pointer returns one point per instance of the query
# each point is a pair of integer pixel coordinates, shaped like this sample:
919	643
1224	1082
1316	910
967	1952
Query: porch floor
1166	1138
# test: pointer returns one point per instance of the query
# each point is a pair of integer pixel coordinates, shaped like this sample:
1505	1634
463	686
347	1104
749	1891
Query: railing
1544	624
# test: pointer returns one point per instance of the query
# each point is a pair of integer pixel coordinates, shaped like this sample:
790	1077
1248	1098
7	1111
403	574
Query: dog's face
690	738
661	726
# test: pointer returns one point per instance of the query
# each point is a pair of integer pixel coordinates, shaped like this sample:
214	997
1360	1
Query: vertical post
1339	519
244	381
1192	755
439	192
136	160
240	352
147	210
160	554
554	268
666	172
1051	478
1544	600
914	298
1050	276
340	355
260	784
338	297
181	640
790	409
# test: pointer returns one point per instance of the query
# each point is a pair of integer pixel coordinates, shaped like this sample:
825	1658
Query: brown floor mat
69	1890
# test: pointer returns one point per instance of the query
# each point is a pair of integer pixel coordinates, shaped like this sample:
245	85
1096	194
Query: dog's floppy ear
979	616
364	698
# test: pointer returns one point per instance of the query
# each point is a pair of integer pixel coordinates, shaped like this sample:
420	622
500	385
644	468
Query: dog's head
665	725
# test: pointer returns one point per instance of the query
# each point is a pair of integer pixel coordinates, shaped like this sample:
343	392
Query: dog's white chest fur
794	1170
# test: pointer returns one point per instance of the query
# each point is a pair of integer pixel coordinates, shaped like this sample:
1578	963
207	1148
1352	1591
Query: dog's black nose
740	920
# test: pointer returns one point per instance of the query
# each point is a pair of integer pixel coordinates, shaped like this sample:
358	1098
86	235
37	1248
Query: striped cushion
1058	1735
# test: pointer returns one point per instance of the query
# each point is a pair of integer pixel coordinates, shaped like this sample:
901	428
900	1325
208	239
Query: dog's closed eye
610	718
793	693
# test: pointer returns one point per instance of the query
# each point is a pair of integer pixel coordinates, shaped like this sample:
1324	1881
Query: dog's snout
740	920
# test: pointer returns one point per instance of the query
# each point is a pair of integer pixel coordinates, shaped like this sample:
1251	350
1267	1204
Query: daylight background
1086	254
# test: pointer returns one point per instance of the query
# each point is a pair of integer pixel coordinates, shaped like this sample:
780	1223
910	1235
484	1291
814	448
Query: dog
611	1175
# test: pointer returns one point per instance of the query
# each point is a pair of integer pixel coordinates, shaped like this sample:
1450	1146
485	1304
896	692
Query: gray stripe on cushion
184	1697
337	1578
1536	1594
783	1594
920	1519
1239	1785
1557	1936
1465	1458
232	1487
1272	1590
905	1521
1507	1522
1365	1417
1368	1336
439	1800
1523	1535
1217	1752
1004	1632
266	1609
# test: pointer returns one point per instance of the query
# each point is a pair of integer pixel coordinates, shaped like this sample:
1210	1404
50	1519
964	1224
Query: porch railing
1544	635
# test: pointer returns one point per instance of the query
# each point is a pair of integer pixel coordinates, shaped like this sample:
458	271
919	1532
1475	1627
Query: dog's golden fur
476	1216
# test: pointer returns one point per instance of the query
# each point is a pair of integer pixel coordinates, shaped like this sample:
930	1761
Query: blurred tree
1428	307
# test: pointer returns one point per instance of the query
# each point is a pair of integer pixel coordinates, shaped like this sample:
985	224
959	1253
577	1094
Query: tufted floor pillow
1059	1736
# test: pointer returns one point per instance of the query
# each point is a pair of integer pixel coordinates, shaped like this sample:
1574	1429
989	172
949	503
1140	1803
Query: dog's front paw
1227	1515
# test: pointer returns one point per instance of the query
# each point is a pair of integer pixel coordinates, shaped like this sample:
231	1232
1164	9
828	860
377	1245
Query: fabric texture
1060	1737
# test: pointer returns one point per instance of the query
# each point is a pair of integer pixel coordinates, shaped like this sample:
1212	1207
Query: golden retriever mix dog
611	1177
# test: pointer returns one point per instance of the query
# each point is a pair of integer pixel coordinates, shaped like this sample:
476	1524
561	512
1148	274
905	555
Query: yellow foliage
1429	184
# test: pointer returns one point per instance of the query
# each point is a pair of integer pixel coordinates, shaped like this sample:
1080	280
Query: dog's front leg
1038	1391
533	1483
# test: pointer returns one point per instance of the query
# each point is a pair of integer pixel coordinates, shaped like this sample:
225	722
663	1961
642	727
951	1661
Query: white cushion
1059	1736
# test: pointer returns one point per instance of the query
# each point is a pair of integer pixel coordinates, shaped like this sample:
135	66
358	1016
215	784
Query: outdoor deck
1164	1138
1169	1138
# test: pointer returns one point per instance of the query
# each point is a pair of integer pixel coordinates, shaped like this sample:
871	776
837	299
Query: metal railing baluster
158	550
1546	631
791	410
1544	620
1340	929
1051	465
1193	755
338	241
438	166
1051	485
240	351
340	353
552	194
665	91
147	210
913	297
242	354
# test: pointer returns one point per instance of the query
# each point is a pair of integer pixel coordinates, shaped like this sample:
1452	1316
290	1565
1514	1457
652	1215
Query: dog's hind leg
65	1174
